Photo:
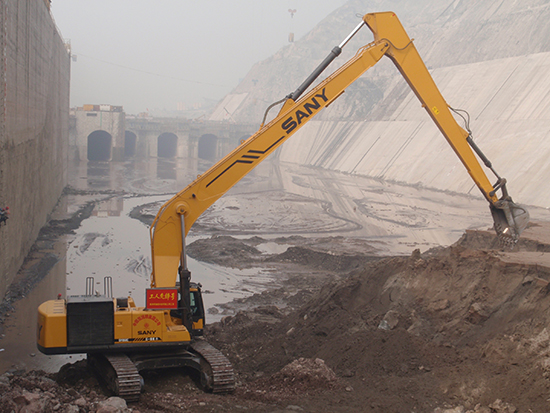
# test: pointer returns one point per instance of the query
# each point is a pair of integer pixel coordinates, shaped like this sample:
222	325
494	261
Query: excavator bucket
510	220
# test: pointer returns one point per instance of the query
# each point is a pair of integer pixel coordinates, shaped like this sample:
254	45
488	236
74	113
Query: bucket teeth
506	241
510	220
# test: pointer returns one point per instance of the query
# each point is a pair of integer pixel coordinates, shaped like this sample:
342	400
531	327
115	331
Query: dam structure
104	133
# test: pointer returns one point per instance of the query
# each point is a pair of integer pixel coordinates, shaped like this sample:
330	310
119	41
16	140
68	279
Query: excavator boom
192	201
176	216
509	218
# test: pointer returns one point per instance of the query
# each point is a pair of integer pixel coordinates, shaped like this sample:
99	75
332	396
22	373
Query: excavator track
119	373
216	370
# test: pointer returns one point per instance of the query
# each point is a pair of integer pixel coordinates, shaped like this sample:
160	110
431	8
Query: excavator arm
177	215
509	218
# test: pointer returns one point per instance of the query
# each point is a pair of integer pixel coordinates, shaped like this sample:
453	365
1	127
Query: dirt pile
457	326
328	253
452	330
227	251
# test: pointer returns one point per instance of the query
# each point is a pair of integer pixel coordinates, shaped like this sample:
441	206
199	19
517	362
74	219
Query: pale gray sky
146	54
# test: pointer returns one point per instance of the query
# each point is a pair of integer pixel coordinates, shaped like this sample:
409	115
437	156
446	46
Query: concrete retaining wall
35	75
509	104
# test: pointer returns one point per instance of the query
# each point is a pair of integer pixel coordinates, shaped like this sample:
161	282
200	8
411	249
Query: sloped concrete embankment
508	103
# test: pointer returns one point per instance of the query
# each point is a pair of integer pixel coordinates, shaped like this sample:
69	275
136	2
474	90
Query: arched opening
130	140
207	147
167	145
99	146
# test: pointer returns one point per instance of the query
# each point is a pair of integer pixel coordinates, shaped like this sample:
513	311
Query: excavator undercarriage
120	372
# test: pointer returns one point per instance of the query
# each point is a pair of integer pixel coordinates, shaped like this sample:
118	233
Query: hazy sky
152	54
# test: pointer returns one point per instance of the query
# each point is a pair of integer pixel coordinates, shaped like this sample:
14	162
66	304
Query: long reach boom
176	216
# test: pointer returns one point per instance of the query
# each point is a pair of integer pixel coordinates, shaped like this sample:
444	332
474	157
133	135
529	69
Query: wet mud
344	297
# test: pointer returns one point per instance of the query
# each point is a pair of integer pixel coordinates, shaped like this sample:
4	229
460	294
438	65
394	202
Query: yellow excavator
121	339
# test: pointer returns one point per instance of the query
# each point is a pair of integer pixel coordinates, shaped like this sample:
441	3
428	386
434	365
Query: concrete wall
88	122
35	75
509	104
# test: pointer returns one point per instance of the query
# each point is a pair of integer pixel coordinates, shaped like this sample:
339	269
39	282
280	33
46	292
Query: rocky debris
112	405
498	406
477	314
301	377
390	320
307	372
37	391
458	409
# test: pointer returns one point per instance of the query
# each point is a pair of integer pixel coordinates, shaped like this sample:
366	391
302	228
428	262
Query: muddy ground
341	326
456	329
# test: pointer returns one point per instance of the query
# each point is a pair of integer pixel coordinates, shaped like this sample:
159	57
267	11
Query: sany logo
146	332
305	111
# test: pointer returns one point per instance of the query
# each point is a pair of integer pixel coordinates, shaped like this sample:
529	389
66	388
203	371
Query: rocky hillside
490	58
446	32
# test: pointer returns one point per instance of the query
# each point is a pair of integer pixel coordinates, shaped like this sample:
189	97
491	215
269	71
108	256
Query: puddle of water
272	248
19	343
222	285
112	244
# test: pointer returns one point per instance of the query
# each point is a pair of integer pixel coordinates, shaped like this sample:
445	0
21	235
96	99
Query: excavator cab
196	309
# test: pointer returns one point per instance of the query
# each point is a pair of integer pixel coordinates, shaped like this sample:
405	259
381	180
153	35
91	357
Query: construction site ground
343	327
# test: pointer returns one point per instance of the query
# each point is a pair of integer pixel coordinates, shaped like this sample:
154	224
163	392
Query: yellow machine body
83	324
